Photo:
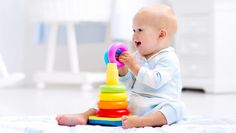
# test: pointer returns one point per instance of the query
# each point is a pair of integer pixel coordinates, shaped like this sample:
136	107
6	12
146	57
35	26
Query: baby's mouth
137	43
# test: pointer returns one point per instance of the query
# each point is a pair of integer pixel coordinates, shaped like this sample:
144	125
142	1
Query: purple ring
112	53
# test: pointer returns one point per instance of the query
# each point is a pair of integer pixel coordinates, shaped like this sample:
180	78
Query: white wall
124	11
12	33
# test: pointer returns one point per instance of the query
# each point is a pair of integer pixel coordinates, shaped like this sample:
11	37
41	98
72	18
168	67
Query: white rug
48	124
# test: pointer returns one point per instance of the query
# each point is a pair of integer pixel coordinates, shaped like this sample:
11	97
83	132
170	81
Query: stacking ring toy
113	96
112	88
105	121
112	112
110	55
112	105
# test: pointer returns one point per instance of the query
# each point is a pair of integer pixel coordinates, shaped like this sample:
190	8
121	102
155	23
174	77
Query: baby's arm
123	71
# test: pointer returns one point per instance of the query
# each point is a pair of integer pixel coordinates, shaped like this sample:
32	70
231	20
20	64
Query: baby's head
154	28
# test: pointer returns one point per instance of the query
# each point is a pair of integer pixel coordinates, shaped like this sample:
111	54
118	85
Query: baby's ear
162	33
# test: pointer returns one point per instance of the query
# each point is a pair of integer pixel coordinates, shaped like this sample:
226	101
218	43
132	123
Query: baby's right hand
128	59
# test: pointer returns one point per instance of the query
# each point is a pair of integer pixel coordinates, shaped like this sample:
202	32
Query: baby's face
145	36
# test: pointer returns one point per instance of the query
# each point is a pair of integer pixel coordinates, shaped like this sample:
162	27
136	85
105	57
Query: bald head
159	16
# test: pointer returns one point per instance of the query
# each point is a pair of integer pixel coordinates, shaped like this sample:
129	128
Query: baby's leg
75	119
154	119
71	119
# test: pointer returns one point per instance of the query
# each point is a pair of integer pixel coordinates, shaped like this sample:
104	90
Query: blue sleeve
163	72
128	80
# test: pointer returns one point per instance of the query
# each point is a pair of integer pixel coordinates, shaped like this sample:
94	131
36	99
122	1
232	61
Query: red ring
112	112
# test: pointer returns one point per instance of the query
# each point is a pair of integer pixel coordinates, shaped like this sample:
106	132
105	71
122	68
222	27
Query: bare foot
72	119
131	121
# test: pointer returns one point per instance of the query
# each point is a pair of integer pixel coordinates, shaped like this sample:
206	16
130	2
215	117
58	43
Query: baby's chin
147	56
141	53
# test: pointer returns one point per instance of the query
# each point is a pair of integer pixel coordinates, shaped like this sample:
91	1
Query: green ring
112	88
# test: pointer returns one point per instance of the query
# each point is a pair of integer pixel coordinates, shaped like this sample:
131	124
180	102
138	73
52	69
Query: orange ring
112	105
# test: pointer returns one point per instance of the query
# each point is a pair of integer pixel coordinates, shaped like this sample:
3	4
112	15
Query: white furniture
206	44
74	76
7	79
68	13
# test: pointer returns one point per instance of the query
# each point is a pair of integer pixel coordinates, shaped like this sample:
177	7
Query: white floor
52	101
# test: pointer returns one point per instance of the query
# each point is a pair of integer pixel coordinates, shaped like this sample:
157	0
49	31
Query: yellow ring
113	96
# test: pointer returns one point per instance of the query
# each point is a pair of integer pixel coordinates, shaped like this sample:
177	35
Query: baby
152	73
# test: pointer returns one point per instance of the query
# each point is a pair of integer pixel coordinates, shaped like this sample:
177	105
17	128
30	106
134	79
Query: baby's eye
140	30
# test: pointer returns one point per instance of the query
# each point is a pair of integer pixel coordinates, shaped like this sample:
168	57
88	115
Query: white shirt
157	86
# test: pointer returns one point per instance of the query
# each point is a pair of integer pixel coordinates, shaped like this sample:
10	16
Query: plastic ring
113	96
106	57
118	51
112	88
112	112
112	105
106	60
112	53
93	117
106	121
